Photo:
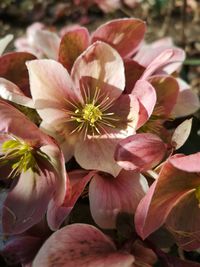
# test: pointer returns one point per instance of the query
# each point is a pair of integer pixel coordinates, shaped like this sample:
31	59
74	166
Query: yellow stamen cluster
19	154
92	116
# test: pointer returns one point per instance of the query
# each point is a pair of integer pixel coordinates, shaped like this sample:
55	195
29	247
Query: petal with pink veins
27	202
187	102
171	185
98	153
101	62
189	163
81	245
76	182
146	96
11	92
13	68
183	222
48	42
140	152
51	87
166	61
125	35
73	43
109	196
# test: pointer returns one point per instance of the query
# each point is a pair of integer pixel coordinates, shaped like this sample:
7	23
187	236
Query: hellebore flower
36	165
89	111
174	199
85	245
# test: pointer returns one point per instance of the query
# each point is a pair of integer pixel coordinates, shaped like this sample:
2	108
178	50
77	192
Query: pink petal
12	121
171	185
183	222
101	62
75	184
73	43
181	134
98	154
190	163
11	92
109	196
27	202
140	152
148	52
187	102
146	96
125	35
165	61
50	86
133	72
48	42
81	245
4	42
13	68
167	90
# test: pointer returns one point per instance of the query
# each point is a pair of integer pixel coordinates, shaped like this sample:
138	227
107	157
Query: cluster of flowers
102	99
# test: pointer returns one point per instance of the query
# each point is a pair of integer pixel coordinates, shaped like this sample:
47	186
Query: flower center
91	114
19	154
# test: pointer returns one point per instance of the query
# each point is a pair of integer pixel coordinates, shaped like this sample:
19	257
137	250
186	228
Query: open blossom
88	111
35	163
174	199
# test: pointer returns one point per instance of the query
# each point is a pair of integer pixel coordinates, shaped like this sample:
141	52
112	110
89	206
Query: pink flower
88	112
4	42
36	163
174	199
85	245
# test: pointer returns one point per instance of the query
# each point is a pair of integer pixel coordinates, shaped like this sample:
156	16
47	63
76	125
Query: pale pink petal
140	152
183	222
76	181
48	42
148	52
187	102
73	43
181	134
4	42
81	245
66	142
167	90
190	163
11	92
167	61
146	96
101	62
171	185
125	35
13	68
50	86
98	154
109	196
27	203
